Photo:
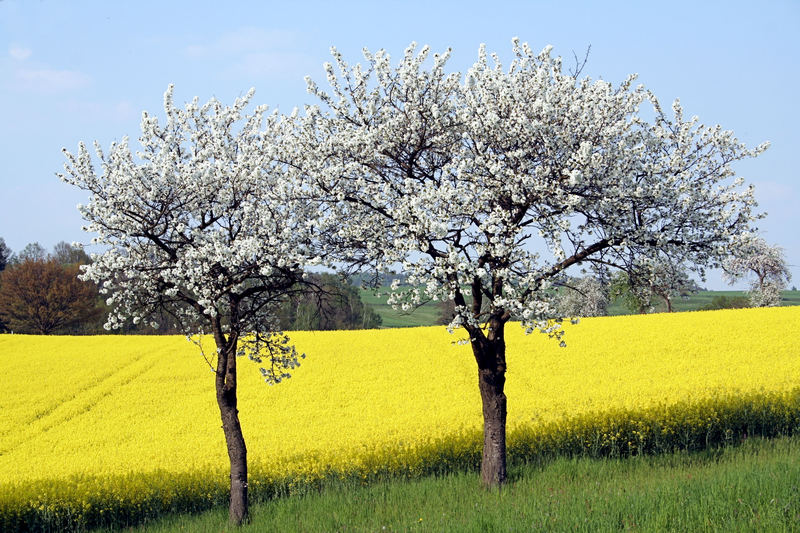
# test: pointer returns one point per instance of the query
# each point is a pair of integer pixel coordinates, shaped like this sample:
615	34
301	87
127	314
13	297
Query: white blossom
454	176
204	223
753	256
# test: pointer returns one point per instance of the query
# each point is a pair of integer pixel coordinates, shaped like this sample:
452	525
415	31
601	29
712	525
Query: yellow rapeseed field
107	407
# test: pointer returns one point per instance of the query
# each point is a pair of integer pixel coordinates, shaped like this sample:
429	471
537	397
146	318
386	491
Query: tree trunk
490	354
234	440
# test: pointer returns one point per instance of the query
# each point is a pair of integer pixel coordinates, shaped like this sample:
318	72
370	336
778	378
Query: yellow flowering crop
86	411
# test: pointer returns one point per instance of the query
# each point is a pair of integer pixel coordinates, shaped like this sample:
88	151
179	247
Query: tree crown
493	184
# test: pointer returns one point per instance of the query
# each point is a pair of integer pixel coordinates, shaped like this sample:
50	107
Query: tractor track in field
77	403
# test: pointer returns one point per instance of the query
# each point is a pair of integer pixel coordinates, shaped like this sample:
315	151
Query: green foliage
325	303
727	302
87	502
621	289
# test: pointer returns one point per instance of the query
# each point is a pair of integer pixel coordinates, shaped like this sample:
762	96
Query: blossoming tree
582	297
201	225
766	262
486	188
653	278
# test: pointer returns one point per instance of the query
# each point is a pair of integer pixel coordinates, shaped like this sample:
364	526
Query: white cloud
19	73
46	80
19	53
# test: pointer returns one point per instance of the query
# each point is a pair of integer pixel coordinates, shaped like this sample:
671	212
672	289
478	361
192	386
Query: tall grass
751	487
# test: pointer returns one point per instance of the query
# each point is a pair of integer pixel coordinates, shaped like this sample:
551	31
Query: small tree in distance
203	227
668	280
43	296
32	252
582	297
67	254
327	302
649	280
635	297
5	257
5	254
452	177
755	257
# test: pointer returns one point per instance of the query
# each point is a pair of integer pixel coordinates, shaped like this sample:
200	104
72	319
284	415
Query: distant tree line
41	293
645	286
326	302
655	285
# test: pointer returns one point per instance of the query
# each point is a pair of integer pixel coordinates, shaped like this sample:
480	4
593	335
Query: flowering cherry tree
586	296
486	188
202	226
668	279
650	278
766	262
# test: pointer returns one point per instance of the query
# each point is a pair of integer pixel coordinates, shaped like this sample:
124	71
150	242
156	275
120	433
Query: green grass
425	315
428	314
699	300
751	487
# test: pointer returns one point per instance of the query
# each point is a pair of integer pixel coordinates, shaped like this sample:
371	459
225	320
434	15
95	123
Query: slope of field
83	409
428	314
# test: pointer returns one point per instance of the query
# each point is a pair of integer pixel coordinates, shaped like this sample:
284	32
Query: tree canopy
763	262
202	226
43	296
493	184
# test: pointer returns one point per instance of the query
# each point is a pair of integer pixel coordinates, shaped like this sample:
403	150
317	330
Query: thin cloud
775	192
46	80
19	53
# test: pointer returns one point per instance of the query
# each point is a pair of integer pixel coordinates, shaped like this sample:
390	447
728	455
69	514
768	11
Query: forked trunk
234	440
491	358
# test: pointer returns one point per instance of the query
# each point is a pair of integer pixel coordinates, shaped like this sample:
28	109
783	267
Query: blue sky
79	70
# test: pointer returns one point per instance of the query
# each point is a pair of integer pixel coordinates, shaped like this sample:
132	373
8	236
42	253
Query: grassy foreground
751	487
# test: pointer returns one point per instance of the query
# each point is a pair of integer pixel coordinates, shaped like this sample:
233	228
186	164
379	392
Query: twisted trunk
234	440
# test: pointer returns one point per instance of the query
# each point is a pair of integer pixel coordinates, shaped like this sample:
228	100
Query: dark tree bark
490	354
234	439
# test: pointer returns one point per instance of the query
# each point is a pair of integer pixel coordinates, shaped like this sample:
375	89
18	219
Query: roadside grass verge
754	486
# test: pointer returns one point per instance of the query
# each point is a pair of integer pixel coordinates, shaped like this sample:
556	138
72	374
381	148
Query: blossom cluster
200	226
486	187
765	263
